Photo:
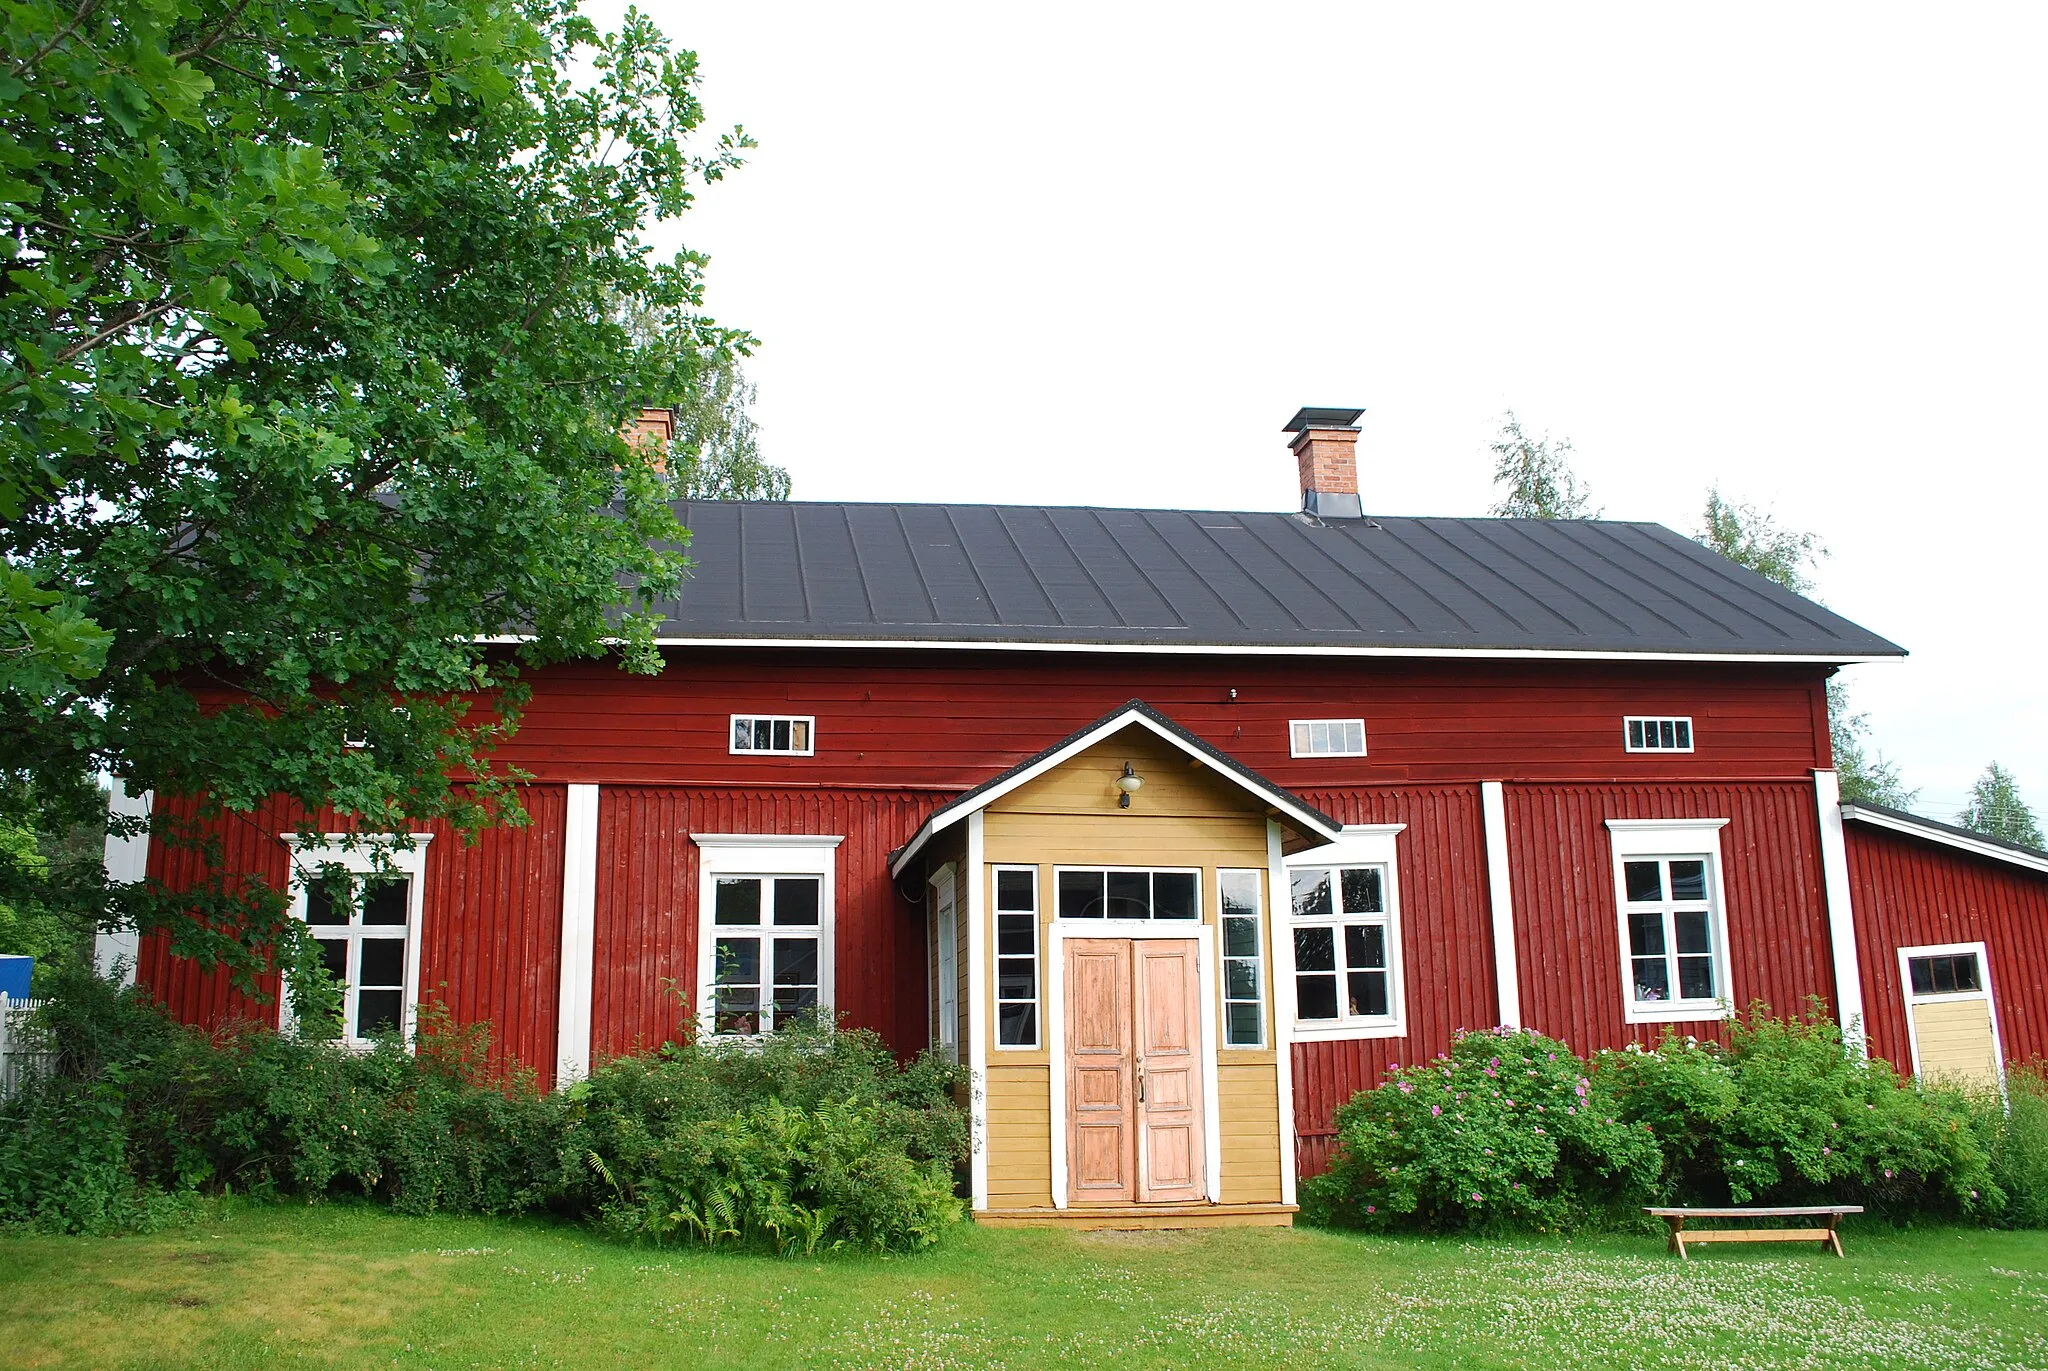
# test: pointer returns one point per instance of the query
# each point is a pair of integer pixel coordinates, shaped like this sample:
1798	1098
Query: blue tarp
14	975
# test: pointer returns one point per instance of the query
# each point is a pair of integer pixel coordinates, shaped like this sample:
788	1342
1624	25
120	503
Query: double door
1135	1125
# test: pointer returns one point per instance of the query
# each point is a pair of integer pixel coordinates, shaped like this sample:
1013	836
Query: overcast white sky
1099	253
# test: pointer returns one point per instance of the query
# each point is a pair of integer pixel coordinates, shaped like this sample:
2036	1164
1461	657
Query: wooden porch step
1143	1216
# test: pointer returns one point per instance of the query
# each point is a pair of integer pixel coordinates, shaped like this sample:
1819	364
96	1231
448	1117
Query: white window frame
766	855
1295	734
1123	924
946	952
363	854
1983	955
1261	920
1361	845
1651	721
996	915
809	721
1679	840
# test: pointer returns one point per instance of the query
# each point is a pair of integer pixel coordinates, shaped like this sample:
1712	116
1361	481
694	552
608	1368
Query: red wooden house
1180	827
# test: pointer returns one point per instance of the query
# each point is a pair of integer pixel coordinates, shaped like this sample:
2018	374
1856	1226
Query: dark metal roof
1864	811
1321	416
1029	575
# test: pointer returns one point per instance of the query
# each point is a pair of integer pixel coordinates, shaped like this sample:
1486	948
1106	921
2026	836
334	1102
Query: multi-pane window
1668	906
788	734
1657	735
1949	974
765	951
1244	1001
1124	893
1343	944
1327	737
1017	956
361	923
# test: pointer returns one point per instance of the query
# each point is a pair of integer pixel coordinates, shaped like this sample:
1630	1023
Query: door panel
1954	1043
1169	1063
1101	1124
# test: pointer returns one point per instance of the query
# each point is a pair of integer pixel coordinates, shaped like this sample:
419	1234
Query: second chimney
1326	447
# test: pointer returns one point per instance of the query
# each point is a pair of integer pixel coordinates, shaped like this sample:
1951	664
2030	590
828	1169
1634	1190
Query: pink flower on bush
1475	1197
1435	1110
1887	1173
1372	1209
1407	1087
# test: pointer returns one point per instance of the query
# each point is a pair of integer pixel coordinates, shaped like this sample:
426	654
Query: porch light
1128	783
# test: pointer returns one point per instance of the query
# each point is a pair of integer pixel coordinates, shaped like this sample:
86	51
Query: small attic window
1328	737
789	735
1657	735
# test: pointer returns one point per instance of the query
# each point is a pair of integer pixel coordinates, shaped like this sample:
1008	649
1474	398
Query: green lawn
255	1286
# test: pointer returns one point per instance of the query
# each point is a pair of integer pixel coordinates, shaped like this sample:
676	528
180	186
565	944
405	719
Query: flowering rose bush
1505	1130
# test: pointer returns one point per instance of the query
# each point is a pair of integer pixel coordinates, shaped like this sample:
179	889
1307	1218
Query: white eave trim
1935	833
959	809
1255	649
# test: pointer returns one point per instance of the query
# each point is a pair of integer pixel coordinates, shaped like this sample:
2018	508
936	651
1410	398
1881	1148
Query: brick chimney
652	430
1326	447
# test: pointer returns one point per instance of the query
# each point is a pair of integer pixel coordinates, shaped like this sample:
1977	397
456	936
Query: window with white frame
1656	735
1128	893
1673	928
1016	956
361	899
788	734
1343	936
1244	999
765	932
1327	737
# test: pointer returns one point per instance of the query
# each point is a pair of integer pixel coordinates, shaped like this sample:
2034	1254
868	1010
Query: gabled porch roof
1299	814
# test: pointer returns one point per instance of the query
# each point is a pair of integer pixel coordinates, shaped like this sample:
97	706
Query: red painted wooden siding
1568	944
646	936
250	846
490	935
942	718
1446	945
1911	893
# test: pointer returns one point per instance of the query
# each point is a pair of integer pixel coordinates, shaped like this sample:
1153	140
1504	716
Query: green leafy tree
1753	538
311	383
717	450
1997	811
1538	476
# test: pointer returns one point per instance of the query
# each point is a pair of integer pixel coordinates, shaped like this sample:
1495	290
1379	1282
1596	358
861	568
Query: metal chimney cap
1313	416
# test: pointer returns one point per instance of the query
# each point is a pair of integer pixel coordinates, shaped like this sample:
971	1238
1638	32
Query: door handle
1141	1085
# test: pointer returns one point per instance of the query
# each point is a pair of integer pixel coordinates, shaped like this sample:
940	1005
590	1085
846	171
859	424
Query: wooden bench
1828	1238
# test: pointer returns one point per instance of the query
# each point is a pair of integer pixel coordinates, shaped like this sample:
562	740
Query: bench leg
1834	1235
1677	1243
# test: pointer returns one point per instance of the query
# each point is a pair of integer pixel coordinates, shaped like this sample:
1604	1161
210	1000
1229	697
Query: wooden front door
1134	1071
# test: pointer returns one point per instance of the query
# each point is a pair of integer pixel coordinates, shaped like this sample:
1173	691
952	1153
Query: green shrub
815	1138
2017	1129
1787	1115
812	1139
1503	1131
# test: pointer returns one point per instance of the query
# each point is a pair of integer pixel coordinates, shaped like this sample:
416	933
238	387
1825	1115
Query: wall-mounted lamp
1129	783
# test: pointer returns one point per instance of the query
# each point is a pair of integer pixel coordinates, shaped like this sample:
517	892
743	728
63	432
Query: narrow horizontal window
1327	737
789	735
1121	893
1954	974
1656	735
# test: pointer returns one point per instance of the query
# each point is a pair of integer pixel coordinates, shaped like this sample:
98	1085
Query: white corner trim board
1281	978
126	859
579	935
978	972
1834	881
1500	888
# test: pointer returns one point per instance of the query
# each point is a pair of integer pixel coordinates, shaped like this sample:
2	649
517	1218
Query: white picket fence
22	1048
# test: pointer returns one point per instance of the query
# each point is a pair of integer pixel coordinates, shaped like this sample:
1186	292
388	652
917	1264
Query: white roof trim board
1976	844
1137	715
